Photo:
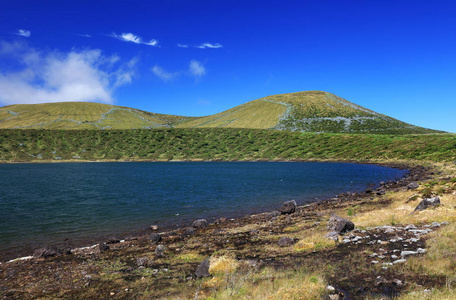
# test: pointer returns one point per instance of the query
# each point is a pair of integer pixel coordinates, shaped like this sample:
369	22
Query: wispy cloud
182	46
132	38
85	35
196	69
163	74
23	32
55	76
209	45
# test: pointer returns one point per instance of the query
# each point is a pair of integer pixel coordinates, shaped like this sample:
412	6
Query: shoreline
176	226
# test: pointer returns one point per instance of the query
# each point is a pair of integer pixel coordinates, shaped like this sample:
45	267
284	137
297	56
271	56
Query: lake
47	203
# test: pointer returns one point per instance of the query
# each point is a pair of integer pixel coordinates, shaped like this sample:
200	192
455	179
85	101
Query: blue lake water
46	203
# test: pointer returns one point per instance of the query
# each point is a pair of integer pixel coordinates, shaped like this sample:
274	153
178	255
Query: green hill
81	115
311	111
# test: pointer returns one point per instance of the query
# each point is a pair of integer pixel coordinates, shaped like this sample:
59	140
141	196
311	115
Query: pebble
330	288
421	251
374	262
407	253
400	261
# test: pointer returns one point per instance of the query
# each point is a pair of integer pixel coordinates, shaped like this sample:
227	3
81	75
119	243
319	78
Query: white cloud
209	45
163	74
151	43
182	46
196	69
85	75
22	32
130	37
85	35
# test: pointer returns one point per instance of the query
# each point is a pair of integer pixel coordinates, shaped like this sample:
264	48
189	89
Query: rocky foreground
253	257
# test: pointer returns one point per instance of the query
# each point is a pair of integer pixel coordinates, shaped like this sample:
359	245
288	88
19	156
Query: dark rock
103	247
339	225
188	232
412	186
203	269
46	252
201	223
113	241
285	241
155	238
429	202
288	207
379	281
52	251
381	192
369	190
160	250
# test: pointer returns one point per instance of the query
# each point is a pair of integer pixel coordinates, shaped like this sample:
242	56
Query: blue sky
202	57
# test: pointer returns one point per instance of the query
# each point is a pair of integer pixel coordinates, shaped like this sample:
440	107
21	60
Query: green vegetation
311	111
218	144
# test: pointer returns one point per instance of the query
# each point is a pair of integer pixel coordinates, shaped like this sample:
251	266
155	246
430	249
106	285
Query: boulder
380	192
288	207
201	223
46	252
285	241
426	203
203	269
412	186
52	251
339	224
160	250
155	238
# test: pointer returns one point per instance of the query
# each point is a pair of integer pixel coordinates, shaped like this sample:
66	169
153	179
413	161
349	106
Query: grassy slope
218	143
311	111
80	115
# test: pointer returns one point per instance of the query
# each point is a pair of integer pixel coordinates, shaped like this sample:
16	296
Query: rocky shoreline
172	257
415	174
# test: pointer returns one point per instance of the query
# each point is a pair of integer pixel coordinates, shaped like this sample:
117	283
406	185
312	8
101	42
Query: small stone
435	224
412	186
407	253
285	241
379	281
154	227
160	250
334	297
398	282
421	251
394	256
400	261
330	288
408	227
374	262
155	238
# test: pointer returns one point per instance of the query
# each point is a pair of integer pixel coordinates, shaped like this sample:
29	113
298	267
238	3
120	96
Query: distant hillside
81	115
311	111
